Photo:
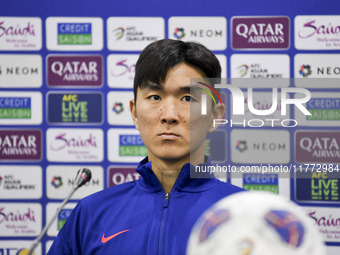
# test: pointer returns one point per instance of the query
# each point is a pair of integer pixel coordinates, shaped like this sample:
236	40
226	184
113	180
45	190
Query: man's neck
167	171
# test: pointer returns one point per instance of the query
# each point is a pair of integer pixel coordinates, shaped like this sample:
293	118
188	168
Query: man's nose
169	112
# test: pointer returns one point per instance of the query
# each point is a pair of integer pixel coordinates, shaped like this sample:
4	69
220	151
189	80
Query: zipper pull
166	199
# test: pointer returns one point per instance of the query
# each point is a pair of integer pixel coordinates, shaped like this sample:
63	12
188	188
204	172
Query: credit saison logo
77	108
63	216
74	33
266	182
239	100
131	145
323	109
15	108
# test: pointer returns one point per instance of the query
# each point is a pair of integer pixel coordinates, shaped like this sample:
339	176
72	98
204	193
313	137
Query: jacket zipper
162	226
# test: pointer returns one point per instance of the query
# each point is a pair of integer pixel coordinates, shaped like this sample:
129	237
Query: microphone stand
43	232
83	176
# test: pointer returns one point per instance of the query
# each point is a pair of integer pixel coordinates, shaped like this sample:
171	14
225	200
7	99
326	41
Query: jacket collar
184	182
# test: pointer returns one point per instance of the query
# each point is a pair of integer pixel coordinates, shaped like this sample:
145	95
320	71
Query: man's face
162	115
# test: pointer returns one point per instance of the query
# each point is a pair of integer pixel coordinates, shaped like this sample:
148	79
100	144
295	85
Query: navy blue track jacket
139	217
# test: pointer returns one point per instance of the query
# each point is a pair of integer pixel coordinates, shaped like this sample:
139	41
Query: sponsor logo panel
125	145
48	245
257	180
121	70
118	108
20	144
20	219
121	174
317	70
317	146
75	145
325	110
20	108
317	186
216	146
260	146
62	217
75	71
74	33
133	33
260	70
223	62
261	33
209	31
327	220
75	108
16	182
18	247
20	33
262	101
60	180
317	32
20	71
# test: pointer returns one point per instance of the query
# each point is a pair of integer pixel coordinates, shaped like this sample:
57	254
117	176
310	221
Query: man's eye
188	99
155	97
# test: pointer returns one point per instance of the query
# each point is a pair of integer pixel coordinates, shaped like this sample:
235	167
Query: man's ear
134	113
218	113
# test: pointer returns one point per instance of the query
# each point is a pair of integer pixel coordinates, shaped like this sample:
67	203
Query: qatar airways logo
317	146
260	33
239	99
317	32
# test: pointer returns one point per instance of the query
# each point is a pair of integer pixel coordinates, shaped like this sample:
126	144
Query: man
155	214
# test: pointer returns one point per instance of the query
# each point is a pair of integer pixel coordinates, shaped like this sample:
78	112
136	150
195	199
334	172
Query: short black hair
158	57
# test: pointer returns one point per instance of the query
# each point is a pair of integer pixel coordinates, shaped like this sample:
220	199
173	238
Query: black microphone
83	176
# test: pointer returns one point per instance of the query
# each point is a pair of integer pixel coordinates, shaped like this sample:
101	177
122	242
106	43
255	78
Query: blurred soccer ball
255	223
